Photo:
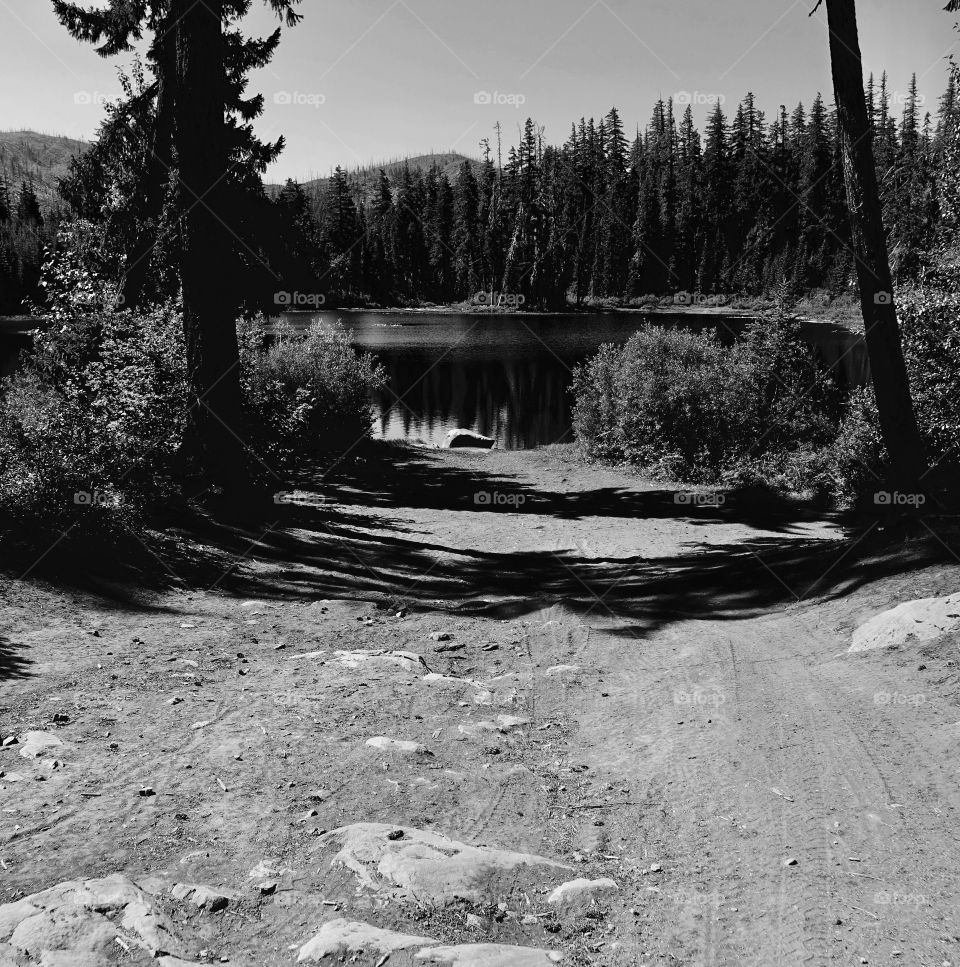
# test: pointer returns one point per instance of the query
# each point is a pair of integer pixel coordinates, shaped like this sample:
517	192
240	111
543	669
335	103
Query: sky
362	81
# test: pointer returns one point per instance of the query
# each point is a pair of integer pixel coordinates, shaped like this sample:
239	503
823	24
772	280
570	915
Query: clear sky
364	80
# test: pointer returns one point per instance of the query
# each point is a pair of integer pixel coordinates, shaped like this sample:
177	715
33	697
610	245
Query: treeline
749	205
24	232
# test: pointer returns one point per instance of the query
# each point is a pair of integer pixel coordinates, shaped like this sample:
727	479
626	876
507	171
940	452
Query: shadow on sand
315	548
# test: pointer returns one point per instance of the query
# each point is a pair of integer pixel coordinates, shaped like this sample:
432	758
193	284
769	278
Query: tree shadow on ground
12	662
342	534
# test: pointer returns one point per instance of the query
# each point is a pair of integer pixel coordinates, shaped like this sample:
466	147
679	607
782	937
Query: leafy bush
930	327
306	393
682	404
90	429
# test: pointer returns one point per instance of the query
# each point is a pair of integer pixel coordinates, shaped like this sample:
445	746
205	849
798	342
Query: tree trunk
207	270
898	423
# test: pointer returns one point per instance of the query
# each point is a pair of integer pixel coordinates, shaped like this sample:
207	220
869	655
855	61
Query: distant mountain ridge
366	175
38	158
45	158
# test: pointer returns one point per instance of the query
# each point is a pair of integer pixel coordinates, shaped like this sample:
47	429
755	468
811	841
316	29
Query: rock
468	438
202	897
352	937
61	718
790	862
75	923
268	887
489	955
581	890
921	620
10	740
361	658
424	865
35	744
440	636
147	791
397	745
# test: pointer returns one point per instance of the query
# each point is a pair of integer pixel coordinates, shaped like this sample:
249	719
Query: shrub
930	326
682	404
90	429
307	394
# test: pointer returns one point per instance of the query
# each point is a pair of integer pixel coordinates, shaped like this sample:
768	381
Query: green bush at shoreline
92	427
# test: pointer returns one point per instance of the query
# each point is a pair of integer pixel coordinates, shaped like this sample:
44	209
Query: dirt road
528	673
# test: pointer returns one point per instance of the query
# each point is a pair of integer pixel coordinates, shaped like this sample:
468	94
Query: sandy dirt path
616	679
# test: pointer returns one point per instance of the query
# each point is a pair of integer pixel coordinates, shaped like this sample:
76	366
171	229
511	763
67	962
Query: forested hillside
30	166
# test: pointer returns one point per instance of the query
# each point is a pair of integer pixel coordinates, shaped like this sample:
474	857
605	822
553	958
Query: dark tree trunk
208	272
897	420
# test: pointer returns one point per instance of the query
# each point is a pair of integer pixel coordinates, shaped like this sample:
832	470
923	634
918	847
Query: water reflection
509	376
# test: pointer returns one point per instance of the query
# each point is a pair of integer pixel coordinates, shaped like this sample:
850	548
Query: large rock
468	438
77	923
351	937
920	620
489	955
422	865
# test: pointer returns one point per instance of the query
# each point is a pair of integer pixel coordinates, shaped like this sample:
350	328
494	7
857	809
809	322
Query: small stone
440	636
268	887
656	868
61	718
147	791
790	862
176	700
10	740
395	834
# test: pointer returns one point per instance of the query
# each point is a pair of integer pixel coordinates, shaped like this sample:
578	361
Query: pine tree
28	205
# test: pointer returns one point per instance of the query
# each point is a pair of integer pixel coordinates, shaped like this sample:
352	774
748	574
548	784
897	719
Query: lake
508	376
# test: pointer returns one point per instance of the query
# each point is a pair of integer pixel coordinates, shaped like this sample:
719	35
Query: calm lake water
508	376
